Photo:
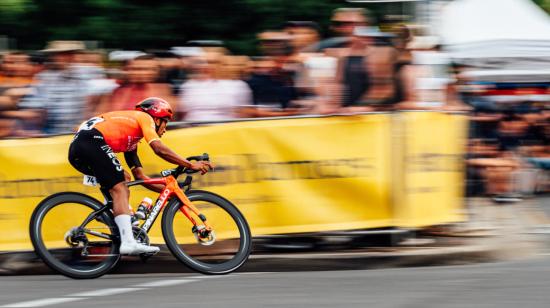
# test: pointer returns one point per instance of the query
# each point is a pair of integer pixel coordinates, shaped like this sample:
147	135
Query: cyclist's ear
157	121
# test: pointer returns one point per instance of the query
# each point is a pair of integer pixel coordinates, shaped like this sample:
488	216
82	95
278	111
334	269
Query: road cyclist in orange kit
93	149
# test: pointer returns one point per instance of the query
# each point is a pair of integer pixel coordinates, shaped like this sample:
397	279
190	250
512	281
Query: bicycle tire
245	240
41	250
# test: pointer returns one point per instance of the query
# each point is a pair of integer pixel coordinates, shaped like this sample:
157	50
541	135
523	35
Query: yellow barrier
286	176
429	174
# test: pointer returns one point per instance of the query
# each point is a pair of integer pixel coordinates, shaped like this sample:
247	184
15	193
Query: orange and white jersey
123	130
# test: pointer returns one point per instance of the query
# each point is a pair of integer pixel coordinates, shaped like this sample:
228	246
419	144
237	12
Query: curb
477	250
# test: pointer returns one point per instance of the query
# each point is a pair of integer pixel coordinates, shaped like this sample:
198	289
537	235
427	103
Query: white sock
124	223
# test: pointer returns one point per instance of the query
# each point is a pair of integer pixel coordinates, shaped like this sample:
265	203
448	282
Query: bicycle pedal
145	256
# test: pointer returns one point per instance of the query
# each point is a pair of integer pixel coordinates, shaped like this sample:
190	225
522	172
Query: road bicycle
76	235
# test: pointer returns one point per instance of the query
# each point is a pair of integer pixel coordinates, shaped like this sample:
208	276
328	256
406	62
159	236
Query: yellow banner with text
285	175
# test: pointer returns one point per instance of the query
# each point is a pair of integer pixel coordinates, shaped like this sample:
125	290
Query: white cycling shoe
135	248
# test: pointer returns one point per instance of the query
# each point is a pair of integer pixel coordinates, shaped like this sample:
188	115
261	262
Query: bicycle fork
203	233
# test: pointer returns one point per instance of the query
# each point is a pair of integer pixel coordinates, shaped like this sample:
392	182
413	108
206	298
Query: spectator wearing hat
59	100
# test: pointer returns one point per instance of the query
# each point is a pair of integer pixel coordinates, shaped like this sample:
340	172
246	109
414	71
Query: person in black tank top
356	79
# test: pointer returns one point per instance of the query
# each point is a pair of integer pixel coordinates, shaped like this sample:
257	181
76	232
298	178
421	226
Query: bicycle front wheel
225	249
68	245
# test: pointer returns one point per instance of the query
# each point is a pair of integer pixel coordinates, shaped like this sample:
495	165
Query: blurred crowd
508	150
358	69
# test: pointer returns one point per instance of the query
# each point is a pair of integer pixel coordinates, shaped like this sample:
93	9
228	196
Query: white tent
503	34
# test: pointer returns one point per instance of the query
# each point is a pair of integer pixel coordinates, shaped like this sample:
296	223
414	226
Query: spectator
364	73
172	70
59	100
315	81
345	20
207	97
512	130
179	73
275	44
302	35
310	70
403	62
16	70
497	170
16	77
233	67
430	82
140	81
507	170
90	64
272	90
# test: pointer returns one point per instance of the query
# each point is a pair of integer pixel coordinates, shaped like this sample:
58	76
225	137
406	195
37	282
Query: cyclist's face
161	124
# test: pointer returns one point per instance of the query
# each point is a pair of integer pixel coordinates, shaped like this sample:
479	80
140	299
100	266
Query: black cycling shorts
89	154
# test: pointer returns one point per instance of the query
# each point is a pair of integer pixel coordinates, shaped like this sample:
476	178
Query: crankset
141	237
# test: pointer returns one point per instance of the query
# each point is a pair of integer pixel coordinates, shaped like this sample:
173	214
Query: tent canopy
497	32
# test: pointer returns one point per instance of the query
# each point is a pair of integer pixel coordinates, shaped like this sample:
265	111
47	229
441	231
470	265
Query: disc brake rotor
204	237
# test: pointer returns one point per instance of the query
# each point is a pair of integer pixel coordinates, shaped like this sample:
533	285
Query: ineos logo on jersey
112	156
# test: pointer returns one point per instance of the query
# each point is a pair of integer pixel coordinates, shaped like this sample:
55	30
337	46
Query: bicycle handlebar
179	170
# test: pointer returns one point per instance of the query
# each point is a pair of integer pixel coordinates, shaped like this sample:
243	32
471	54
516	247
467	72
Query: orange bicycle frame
171	189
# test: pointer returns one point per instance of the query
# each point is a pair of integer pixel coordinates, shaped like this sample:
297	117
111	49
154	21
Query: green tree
140	24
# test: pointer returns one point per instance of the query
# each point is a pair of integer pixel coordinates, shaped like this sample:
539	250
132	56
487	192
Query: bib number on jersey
90	123
89	180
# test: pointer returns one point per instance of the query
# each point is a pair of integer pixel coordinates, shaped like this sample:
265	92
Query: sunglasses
340	23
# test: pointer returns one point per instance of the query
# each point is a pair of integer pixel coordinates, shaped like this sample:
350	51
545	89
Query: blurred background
64	61
478	69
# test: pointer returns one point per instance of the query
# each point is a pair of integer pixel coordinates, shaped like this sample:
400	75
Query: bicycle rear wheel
228	247
66	245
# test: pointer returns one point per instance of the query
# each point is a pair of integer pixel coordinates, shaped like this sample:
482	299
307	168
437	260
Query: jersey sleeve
147	127
132	159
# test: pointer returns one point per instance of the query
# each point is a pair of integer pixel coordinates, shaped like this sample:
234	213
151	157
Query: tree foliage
139	24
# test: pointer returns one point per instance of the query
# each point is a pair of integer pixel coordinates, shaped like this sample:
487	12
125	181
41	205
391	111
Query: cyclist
93	149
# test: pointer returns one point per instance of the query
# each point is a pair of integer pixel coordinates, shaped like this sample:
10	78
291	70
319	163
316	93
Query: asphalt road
289	283
510	284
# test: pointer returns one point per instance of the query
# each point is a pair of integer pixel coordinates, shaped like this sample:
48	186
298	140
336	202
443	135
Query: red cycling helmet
156	107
